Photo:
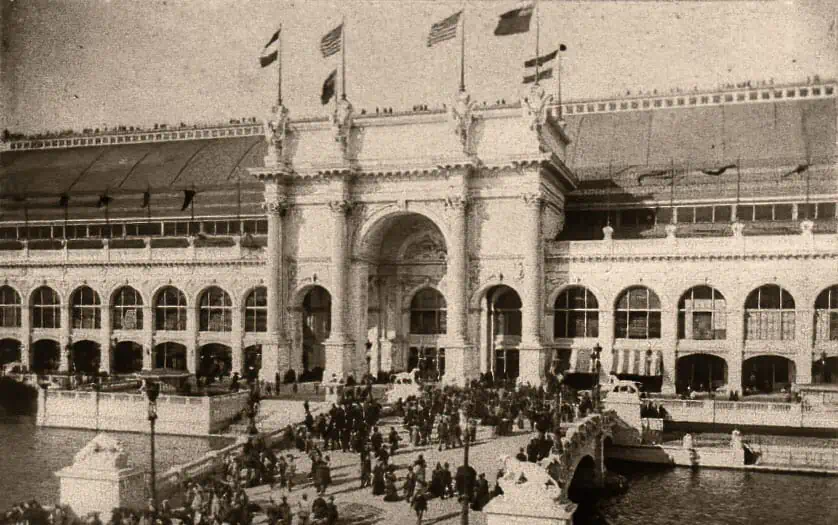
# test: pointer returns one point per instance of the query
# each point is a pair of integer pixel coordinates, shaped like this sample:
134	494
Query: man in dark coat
464	480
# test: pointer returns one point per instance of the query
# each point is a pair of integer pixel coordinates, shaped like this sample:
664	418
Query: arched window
826	315
127	309
427	313
576	313
9	307
256	311
769	314
702	314
170	310
85	308
46	308
638	314
506	310
216	311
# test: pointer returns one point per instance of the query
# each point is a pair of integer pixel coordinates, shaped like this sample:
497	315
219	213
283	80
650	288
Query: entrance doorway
216	361
700	372
252	362
768	373
127	357
504	317
85	357
317	326
46	356
9	351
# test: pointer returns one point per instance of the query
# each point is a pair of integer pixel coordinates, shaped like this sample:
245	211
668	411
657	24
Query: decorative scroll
535	107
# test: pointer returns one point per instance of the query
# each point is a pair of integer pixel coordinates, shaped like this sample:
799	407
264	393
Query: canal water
657	495
29	455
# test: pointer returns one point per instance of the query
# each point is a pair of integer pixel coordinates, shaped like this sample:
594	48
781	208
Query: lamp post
824	377
152	391
466	480
597	350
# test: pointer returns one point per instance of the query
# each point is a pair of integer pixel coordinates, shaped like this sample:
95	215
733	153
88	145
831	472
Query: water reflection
29	455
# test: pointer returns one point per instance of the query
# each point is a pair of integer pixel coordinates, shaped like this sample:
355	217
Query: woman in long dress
378	479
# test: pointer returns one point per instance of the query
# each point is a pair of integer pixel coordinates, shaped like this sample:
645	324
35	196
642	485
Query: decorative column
237	347
192	356
669	345
339	348
64	339
357	316
459	366
736	344
805	345
148	337
105	346
532	354
276	206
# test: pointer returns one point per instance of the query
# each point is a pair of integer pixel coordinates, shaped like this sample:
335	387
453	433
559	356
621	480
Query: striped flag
444	30
331	42
270	51
547	73
543	59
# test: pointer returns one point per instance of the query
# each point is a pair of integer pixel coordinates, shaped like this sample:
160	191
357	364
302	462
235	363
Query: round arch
637	313
377	224
702	313
583	478
700	372
825	320
480	293
770	313
155	293
252	362
113	293
46	355
407	298
10	350
766	373
169	354
127	357
215	361
299	294
85	356
30	296
215	310
196	298
550	300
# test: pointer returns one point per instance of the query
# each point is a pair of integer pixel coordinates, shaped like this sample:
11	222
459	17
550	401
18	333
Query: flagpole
559	79
672	194
738	186
463	50
537	37
608	195
342	58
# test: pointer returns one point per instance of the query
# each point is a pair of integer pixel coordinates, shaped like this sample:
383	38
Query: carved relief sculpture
535	107
462	117
342	123
276	130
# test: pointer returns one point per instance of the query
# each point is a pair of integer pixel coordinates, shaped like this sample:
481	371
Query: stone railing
793	415
128	412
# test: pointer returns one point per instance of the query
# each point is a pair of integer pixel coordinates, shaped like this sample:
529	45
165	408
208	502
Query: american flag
331	42
444	30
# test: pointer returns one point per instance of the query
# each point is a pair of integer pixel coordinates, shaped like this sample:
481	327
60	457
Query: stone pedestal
100	479
510	511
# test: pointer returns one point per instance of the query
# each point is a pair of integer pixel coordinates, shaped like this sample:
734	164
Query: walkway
358	506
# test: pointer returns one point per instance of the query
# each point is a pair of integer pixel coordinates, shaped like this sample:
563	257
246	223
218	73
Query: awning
637	362
581	361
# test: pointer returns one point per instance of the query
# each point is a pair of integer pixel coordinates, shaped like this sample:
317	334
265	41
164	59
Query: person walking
420	505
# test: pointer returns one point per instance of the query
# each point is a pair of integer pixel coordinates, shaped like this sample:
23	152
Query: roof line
130	171
85	170
185	164
236	165
649	138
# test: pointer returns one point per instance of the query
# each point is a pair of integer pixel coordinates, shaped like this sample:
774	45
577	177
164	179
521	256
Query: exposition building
692	237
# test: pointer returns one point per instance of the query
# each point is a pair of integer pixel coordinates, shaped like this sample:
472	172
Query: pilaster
26	337
64	339
736	335
339	348
804	319
105	344
236	347
276	206
148	337
669	346
532	353
192	356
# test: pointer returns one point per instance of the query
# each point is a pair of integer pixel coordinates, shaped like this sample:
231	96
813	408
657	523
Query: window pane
637	325
592	324
769	297
722	214
826	210
654	325
560	324
704	214
654	302
638	298
782	212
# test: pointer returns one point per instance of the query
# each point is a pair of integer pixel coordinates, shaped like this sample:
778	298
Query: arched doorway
216	361
9	351
767	373
85	356
317	326
170	355
700	372
46	356
428	323
503	307
127	357
252	362
825	370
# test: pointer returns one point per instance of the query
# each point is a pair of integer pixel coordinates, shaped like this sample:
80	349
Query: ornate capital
340	206
341	121
276	130
461	113
533	200
534	107
277	207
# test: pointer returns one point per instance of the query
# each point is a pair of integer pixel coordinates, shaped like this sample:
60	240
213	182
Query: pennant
270	52
64	200
444	30
515	21
328	90
799	169
146	199
331	41
104	200
547	73
188	195
543	59
718	171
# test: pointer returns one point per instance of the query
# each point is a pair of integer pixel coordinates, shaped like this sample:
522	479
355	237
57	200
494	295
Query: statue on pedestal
462	117
535	107
276	130
342	122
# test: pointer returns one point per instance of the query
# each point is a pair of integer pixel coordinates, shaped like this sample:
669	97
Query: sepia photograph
444	262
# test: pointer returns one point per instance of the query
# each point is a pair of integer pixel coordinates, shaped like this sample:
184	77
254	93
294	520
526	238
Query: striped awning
581	361
637	362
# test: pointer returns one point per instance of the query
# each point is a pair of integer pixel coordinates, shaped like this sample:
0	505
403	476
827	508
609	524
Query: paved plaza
359	507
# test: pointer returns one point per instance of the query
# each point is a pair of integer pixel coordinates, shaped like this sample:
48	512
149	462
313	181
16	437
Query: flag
543	59
104	200
146	199
664	174
188	195
515	21
64	200
547	73
270	52
799	169
444	30
331	41
328	87
718	171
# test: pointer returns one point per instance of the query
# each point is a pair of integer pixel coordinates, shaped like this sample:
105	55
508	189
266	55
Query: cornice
133	264
690	257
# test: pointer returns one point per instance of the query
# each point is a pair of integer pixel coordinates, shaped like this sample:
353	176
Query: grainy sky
79	63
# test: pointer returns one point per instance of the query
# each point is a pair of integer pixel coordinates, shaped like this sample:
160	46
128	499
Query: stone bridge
539	494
